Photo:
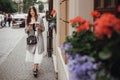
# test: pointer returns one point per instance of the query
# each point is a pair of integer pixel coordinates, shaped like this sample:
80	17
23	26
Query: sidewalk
9	38
15	67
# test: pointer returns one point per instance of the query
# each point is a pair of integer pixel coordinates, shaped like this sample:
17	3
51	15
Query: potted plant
93	49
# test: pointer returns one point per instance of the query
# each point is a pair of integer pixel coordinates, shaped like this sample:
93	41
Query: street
12	58
8	39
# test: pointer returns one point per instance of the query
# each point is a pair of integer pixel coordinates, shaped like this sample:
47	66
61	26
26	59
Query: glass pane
110	3
99	3
102	3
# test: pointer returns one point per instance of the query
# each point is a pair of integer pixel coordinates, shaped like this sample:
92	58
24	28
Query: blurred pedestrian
34	53
5	19
9	19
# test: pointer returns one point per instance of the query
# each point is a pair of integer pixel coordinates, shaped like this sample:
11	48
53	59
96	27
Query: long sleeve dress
34	53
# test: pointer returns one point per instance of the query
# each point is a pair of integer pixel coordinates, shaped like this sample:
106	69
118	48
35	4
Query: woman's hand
30	27
39	27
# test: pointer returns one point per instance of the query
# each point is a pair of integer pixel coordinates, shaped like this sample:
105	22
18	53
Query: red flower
84	26
77	19
95	14
73	21
53	12
118	8
98	32
117	25
107	31
105	25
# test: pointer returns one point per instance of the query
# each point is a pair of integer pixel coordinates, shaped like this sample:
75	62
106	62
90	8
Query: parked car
19	19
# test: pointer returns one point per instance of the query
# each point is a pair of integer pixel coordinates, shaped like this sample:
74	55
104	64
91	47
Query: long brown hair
29	15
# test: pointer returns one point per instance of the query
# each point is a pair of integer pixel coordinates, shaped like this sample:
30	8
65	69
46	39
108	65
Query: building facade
66	10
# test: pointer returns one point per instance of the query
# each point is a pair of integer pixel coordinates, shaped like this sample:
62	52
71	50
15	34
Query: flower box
93	49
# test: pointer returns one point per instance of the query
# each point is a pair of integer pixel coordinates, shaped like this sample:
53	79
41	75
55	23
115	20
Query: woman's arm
40	25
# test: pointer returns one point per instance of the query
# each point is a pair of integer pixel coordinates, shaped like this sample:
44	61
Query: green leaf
103	78
105	54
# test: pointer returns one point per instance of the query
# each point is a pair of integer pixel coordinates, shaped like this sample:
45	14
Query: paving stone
15	68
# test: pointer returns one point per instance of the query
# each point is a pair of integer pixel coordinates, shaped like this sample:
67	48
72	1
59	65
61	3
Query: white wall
76	8
85	8
81	8
57	8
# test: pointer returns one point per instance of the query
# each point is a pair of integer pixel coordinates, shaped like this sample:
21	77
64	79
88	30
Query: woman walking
34	26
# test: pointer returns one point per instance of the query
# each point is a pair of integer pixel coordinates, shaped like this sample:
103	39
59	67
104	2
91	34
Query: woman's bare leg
35	67
35	70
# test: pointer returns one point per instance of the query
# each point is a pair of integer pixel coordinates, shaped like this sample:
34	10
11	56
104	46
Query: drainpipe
49	33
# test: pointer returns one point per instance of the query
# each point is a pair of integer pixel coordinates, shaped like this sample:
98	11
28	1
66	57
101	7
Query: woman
34	52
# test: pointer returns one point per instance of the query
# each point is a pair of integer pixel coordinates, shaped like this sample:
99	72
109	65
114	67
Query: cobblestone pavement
15	68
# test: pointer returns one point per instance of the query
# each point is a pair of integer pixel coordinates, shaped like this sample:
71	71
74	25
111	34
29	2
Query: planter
64	58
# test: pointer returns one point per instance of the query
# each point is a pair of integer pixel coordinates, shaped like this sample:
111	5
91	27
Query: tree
41	6
7	6
27	4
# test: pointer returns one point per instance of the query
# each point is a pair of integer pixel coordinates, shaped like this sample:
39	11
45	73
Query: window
107	6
